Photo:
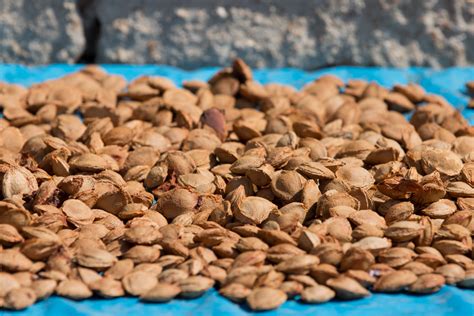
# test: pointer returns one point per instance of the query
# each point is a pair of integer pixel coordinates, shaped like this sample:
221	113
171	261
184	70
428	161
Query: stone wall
266	33
39	32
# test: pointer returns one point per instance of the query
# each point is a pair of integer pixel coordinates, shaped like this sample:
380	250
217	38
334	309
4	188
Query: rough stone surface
266	33
38	32
300	33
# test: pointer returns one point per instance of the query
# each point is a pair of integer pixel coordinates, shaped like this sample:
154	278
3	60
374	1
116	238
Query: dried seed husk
308	240
107	287
173	275
24	278
427	284
317	294
95	258
291	288
462	217
366	230
251	243
141	254
161	293
89	163
282	251
179	163
195	286
244	275
451	247
111	197
395	281
310	194
330	252
271	279
120	269
215	119
363	277
395	257
235	292
339	228
241	70
395	211
382	155
18	181
73	289
229	152
77	212
453	231
347	288
68	127
20	298
253	210
440	209
139	282
216	273
444	161
398	102
303	279
176	202
357	258
286	184
14	215
154	268
43	288
9	235
370	217
264	298
315	171
331	199
88	276
11	137
373	244
403	231
13	260
249	258
40	248
418	268
323	272
297	264
431	260
468	280
143	235
356	177
412	91
274	237
460	260
7	283
451	272
260	176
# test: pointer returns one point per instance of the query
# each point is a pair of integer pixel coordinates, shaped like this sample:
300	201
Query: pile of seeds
264	192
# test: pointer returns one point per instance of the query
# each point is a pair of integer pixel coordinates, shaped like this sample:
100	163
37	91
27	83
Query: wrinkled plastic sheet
449	301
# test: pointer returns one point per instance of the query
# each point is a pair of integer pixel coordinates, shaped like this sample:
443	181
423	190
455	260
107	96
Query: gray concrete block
39	32
299	33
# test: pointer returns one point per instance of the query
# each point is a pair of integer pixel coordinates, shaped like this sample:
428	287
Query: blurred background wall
267	33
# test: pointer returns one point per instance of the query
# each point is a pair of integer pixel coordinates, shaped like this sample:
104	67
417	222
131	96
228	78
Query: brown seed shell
265	298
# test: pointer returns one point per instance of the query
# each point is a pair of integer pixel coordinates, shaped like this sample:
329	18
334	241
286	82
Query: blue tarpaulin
449	301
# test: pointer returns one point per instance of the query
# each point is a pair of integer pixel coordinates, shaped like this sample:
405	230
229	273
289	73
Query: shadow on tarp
449	301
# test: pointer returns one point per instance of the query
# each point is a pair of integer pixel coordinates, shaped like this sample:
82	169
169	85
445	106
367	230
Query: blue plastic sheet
449	301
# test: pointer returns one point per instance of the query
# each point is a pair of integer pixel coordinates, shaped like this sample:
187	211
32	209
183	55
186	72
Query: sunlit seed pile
263	192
